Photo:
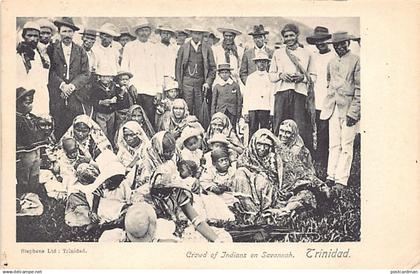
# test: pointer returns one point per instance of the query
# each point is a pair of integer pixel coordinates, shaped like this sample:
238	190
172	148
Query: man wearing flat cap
292	70
248	65
139	58
342	107
31	72
68	77
195	71
228	52
107	55
321	56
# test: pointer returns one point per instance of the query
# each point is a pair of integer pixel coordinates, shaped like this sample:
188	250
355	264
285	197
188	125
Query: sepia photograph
188	129
209	134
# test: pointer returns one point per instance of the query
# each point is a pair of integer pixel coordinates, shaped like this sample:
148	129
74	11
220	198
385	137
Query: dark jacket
99	92
227	97
28	134
248	66
182	63
79	76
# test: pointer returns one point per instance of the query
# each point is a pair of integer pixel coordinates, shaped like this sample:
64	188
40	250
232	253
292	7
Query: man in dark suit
68	77
247	65
195	71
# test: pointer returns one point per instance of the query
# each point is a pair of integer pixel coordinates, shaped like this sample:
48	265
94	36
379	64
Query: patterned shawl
126	153
95	140
271	165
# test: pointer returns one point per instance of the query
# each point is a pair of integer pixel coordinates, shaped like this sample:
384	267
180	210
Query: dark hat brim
25	93
342	39
58	24
258	33
315	39
124	34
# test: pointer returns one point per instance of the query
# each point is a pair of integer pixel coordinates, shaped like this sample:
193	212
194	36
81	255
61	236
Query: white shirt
166	56
220	58
281	63
107	59
36	78
92	60
140	59
194	45
67	54
259	92
321	63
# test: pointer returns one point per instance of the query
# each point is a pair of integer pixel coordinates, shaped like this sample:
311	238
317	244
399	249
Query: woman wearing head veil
259	175
89	137
131	144
292	142
220	124
179	118
300	185
169	194
136	113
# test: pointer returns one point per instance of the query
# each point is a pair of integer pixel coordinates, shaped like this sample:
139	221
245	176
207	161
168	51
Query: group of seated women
146	186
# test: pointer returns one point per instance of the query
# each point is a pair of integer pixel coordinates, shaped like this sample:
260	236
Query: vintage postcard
210	134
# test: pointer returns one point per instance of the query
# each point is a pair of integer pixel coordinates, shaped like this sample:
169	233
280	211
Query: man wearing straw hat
139	58
322	56
69	74
107	55
342	108
248	66
195	70
166	53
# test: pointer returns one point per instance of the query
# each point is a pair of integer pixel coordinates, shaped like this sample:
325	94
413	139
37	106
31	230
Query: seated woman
168	191
300	186
220	124
89	137
136	113
130	144
107	193
178	118
259	174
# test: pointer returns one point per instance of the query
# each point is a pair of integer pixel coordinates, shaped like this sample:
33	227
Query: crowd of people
137	138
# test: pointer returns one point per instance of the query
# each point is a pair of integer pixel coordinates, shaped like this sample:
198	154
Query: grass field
337	220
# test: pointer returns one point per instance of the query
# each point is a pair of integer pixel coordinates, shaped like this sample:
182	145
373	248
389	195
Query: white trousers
340	148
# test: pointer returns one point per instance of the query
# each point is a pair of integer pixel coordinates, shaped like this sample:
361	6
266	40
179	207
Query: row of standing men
285	90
